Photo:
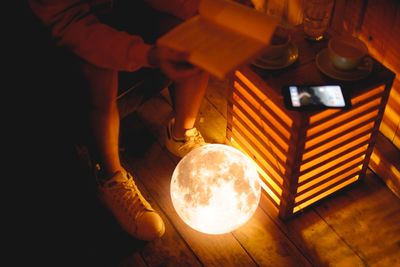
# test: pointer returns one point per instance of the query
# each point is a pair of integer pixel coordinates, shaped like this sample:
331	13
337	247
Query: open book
224	36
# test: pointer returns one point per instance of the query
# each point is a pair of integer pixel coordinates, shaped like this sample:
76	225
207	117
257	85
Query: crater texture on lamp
215	189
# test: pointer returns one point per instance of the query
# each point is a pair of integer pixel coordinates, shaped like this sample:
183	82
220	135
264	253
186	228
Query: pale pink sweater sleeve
74	27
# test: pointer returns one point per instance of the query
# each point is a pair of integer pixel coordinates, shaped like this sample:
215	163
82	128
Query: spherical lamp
215	189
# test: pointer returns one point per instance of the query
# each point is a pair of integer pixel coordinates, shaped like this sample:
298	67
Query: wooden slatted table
303	157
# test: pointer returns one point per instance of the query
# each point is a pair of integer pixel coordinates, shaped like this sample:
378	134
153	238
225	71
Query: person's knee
102	85
199	79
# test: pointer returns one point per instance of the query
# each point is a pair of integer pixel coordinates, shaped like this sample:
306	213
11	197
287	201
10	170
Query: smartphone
315	97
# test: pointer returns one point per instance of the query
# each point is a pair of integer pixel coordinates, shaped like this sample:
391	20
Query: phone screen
330	96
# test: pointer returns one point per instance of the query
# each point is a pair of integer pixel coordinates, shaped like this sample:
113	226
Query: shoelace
197	138
194	140
127	196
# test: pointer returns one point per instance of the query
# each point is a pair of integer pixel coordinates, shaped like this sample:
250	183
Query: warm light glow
264	178
215	189
324	194
264	98
301	159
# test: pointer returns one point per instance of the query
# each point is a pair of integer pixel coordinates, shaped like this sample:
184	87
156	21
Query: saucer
325	65
287	59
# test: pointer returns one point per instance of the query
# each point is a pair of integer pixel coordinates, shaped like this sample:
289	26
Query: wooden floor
359	226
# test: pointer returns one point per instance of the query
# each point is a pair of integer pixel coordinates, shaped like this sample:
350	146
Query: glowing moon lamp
215	189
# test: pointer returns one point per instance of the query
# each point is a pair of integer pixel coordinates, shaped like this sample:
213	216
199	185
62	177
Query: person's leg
116	186
188	98
187	95
181	133
104	117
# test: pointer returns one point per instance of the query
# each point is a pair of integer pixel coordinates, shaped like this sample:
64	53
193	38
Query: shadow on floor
135	139
108	244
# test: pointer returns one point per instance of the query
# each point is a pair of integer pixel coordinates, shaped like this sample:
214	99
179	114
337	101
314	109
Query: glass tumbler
317	14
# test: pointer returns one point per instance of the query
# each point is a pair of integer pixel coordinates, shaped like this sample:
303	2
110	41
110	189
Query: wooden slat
354	163
263	150
270	103
259	122
291	179
259	113
276	180
330	135
345	138
262	136
345	117
261	105
328	191
335	153
332	185
311	184
358	155
273	191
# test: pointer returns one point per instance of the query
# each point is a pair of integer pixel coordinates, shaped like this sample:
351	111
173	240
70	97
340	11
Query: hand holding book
173	63
224	36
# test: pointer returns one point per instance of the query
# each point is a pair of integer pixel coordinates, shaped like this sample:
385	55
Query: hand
173	63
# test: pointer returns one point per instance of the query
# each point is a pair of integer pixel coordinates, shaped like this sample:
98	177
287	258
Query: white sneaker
134	213
180	147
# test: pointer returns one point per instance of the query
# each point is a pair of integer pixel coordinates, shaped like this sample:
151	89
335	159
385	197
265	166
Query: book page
222	37
213	48
239	18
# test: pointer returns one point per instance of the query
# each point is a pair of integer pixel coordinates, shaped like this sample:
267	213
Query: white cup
346	52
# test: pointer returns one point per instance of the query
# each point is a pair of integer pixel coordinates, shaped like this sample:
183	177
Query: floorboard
358	226
267	244
221	250
367	219
314	238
